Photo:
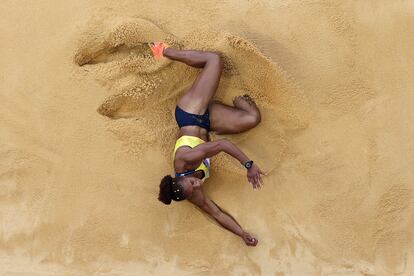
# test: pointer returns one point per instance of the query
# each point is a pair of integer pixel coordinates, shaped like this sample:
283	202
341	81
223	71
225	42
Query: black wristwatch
248	164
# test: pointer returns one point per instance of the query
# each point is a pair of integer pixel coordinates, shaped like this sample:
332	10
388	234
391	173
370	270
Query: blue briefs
184	118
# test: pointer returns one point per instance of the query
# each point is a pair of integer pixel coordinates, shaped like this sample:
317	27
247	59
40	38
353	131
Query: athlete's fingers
260	179
256	180
251	182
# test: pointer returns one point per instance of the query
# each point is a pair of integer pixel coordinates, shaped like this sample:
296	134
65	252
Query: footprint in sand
116	53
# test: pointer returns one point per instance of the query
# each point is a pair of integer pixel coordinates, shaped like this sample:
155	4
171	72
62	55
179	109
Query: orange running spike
157	49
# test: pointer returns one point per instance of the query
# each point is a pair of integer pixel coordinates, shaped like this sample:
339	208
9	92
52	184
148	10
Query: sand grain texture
87	131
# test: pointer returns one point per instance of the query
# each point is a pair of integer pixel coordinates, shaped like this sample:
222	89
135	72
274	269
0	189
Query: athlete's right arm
223	218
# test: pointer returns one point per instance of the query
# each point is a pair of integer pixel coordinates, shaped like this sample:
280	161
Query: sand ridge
147	90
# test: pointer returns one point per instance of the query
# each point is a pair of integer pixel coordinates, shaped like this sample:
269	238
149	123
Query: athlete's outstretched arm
193	58
225	220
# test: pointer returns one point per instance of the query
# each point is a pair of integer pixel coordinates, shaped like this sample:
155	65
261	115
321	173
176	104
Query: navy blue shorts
184	118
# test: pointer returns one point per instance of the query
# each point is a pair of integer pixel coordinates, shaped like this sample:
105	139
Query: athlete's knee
253	119
258	118
216	59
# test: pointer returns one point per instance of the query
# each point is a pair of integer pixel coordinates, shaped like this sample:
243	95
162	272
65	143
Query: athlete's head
178	188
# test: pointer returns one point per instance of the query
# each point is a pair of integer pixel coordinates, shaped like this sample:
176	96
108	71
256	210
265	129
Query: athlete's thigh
226	119
198	97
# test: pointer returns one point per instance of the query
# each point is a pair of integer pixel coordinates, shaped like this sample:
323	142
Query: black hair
170	189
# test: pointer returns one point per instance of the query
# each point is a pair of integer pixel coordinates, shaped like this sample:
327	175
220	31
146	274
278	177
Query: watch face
248	164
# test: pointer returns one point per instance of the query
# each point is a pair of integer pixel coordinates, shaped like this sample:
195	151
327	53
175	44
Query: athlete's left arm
210	149
202	151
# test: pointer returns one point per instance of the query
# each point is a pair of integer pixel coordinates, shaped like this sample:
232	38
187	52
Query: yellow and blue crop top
193	141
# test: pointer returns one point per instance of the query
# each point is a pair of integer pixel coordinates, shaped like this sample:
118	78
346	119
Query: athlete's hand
254	176
249	239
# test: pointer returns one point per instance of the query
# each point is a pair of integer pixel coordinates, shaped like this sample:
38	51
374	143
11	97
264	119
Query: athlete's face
189	184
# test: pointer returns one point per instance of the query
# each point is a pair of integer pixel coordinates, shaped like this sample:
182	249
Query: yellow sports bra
193	141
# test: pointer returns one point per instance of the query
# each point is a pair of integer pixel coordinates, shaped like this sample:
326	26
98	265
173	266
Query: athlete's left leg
226	119
198	97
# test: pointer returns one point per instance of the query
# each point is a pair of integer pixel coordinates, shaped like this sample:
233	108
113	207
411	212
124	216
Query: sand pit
147	90
88	130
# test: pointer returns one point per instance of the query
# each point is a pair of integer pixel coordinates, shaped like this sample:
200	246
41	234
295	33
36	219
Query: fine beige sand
87	132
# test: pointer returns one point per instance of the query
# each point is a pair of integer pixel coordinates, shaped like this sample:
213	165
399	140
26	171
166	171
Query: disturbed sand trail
78	187
147	90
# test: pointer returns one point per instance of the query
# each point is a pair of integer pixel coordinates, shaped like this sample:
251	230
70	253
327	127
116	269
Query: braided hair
170	189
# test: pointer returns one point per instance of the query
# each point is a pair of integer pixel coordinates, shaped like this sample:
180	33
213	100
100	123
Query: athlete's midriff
194	131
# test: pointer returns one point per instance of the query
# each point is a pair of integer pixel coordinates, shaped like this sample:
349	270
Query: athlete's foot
249	99
244	102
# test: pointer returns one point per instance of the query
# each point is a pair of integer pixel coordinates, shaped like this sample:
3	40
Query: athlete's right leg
226	119
198	97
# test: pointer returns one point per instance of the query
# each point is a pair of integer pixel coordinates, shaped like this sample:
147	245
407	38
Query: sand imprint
116	53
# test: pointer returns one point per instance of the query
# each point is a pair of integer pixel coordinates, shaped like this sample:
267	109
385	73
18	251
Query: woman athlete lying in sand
196	115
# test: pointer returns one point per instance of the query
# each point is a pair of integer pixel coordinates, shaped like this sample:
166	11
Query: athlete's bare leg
198	97
224	119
